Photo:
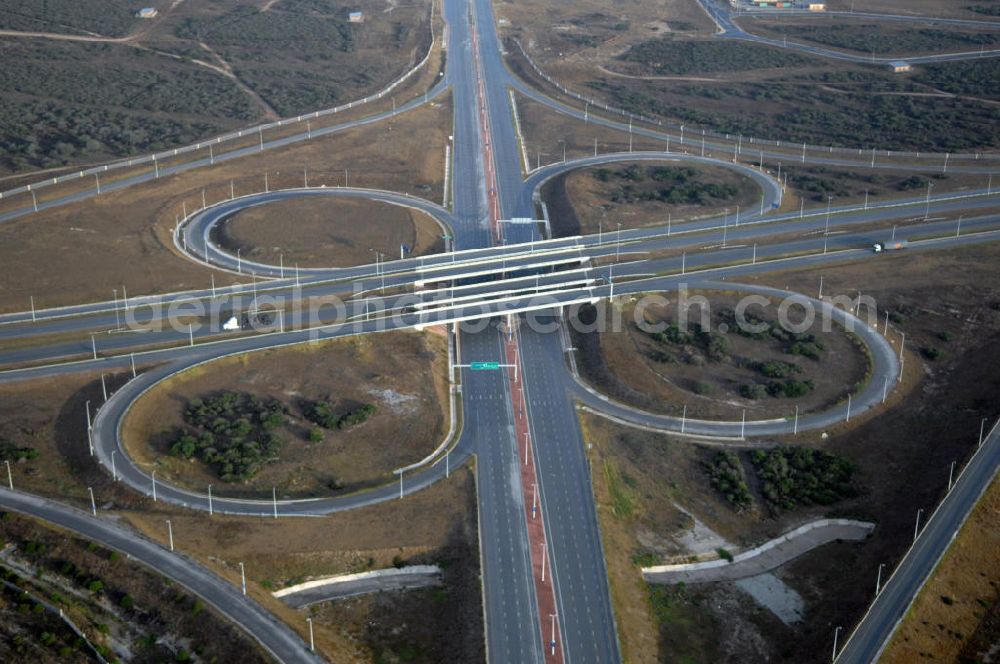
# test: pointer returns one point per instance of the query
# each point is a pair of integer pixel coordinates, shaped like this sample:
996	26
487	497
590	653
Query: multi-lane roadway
488	185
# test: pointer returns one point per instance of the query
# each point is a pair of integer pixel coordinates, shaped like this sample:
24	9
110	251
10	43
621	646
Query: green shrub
356	416
753	391
316	435
724	554
792	476
231	431
931	352
726	476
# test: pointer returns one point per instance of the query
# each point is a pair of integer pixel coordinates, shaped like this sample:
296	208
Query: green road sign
484	366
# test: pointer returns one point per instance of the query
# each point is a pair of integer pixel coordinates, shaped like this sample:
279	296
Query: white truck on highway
894	245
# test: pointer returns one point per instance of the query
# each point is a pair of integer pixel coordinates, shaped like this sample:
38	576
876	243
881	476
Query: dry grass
620	363
436	525
319	232
132	227
902	457
954	602
646	483
546	132
403	374
581	204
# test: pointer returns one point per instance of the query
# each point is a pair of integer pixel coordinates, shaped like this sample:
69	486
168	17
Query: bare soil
580	203
325	232
404	375
902	459
633	367
134	226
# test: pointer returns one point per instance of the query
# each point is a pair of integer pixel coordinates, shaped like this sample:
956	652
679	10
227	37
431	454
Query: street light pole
878	580
170	534
243	579
916	527
836	633
312	643
93	503
210	500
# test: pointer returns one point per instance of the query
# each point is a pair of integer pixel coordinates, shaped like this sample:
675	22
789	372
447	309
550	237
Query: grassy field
664	56
954	619
642	194
437	525
403	376
775	93
406	155
949	301
86	17
65	102
648	487
320	232
717	374
195	71
940	8
121	605
879	38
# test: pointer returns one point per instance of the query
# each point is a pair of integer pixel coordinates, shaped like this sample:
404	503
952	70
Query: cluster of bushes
725	473
232	432
324	414
666	56
852	117
63	102
793	476
712	344
790	388
103	17
872	38
11	452
675	186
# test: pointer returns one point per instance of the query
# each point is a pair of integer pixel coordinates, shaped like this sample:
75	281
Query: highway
272	634
489	185
868	641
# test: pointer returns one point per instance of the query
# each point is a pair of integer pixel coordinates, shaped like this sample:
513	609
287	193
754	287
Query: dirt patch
134	225
713	369
641	194
345	374
325	232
